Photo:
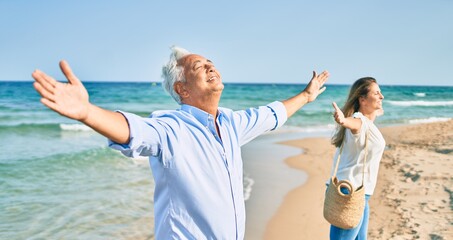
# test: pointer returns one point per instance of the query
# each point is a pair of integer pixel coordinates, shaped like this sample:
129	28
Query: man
194	152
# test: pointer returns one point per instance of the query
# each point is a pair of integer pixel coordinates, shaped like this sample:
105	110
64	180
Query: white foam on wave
420	94
429	120
75	127
420	103
248	184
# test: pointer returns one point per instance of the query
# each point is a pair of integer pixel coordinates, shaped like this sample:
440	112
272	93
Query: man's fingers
322	90
43	92
45	81
314	75
64	66
49	104
321	79
324	76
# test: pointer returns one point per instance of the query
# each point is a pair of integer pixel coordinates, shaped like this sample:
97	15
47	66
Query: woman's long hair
360	88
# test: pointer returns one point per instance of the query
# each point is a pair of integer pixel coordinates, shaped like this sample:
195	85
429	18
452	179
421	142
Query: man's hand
68	99
71	100
315	86
309	94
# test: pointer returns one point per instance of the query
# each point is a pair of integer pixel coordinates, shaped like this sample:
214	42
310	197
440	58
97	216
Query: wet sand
413	198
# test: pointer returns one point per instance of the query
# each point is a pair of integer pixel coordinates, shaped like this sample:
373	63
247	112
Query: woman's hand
338	115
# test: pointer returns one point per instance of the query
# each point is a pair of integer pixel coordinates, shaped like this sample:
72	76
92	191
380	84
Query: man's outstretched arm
71	100
309	94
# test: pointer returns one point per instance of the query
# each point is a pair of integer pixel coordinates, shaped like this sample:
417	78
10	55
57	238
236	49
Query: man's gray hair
172	73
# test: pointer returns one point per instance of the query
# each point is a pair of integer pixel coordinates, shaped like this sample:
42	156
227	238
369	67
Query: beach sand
413	198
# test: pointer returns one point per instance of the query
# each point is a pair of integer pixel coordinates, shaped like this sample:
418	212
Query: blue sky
408	42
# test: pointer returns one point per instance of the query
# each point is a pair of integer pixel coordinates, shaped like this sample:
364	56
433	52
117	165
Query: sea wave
420	103
429	120
44	127
29	127
248	183
64	187
75	127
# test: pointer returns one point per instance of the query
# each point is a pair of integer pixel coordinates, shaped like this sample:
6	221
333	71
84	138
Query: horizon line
245	83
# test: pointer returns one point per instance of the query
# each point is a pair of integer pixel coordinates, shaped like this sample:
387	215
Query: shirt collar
202	116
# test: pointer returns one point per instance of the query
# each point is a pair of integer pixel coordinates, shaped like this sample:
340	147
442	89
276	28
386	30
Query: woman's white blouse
353	154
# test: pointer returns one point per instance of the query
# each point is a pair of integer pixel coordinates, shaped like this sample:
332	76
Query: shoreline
264	162
272	180
413	197
301	209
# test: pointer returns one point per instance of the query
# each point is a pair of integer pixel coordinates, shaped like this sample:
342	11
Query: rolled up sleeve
253	122
144	137
279	112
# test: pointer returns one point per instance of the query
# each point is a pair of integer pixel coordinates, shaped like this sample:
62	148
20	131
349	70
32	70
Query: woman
355	121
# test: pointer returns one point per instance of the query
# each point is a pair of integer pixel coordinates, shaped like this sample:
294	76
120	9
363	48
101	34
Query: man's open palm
315	86
68	99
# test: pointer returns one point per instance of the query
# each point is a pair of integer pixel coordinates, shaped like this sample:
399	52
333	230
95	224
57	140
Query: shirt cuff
134	136
279	112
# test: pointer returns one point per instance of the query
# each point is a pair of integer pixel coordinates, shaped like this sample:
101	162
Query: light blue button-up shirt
197	173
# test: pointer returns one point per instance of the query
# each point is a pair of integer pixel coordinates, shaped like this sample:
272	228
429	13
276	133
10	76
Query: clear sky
408	42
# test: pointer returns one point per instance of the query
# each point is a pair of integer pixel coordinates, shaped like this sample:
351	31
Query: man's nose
210	67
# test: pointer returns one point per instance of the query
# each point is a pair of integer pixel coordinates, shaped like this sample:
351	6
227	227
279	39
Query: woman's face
373	100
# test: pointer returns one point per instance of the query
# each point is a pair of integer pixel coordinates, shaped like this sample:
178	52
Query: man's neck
209	108
209	105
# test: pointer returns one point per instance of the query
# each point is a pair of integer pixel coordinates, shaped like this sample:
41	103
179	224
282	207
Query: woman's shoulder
365	124
365	121
358	115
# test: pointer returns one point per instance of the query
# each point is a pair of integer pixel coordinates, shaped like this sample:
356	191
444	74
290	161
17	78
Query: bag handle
364	160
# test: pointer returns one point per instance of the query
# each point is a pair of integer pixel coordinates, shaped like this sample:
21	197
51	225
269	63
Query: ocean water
59	180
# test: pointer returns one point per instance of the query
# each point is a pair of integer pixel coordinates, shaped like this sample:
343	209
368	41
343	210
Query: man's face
202	78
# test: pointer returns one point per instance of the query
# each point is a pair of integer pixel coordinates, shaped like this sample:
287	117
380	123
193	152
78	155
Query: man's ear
180	89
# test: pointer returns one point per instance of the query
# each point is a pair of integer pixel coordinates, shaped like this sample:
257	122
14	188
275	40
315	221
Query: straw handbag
345	210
